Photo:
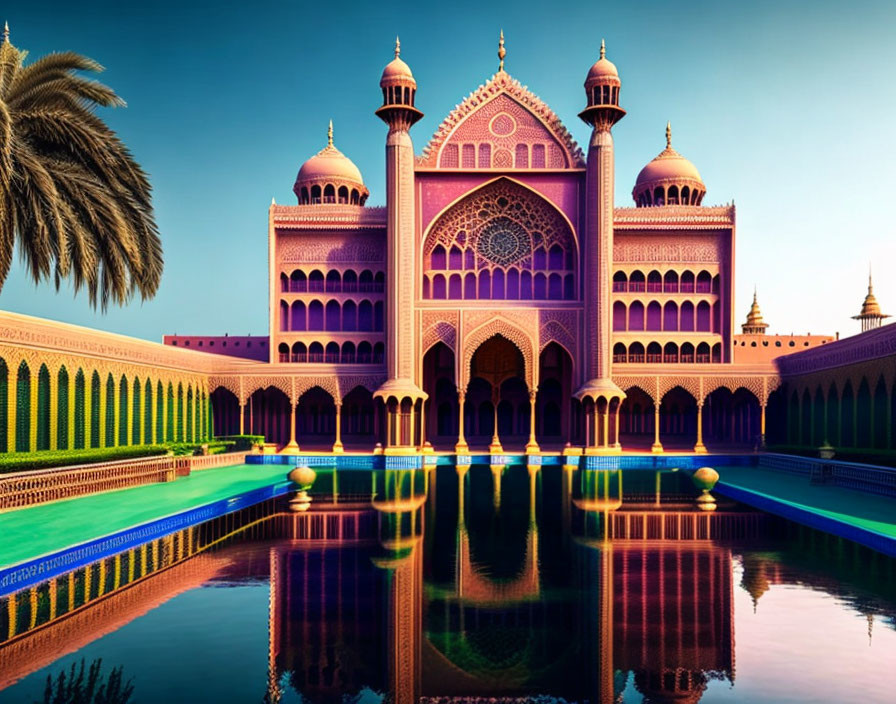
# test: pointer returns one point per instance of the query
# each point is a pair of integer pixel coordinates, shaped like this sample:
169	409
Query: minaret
602	90
870	314
755	325
403	398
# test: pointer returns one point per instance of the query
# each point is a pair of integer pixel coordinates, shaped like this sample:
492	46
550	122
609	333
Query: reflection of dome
330	177
678	686
754	579
669	179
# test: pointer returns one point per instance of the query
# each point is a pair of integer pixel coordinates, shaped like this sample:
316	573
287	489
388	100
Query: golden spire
5	32
755	325
501	52
669	135
397	47
603	49
330	134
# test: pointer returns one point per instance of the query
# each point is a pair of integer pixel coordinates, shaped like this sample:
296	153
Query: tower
870	315
402	397
602	112
755	325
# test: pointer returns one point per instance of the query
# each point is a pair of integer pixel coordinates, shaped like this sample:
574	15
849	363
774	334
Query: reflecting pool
455	584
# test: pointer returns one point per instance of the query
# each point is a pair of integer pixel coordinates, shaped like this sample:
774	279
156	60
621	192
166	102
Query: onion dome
602	87
669	179
870	315
330	177
603	72
755	324
399	93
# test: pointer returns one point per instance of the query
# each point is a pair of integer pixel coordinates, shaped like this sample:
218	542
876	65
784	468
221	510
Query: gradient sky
786	108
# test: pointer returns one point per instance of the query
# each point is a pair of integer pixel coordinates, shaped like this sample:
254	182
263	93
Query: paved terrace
866	518
38	530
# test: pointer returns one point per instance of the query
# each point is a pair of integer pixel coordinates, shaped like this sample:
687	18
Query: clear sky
785	107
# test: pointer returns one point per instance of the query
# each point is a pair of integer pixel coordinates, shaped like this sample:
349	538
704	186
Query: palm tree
71	194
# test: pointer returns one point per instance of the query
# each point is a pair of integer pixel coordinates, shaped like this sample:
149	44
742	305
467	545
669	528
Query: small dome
670	172
603	70
330	169
397	71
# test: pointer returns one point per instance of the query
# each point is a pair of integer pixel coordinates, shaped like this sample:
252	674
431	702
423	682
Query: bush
242	442
47	459
181	449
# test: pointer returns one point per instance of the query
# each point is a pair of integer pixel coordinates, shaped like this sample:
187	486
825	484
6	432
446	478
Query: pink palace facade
500	299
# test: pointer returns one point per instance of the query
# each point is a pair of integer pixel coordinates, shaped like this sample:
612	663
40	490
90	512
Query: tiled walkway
38	530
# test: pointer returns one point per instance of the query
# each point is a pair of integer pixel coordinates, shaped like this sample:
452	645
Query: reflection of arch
505	329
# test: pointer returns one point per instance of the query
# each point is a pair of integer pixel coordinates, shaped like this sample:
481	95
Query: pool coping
39	569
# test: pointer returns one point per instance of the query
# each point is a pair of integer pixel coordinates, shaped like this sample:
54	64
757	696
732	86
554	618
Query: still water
459	584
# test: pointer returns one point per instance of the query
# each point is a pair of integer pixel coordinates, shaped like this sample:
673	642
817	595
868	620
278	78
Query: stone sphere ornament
705	479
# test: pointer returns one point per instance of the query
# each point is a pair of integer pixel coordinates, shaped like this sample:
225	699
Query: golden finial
603	49
669	135
501	52
869	278
330	134
5	32
397	47
754	295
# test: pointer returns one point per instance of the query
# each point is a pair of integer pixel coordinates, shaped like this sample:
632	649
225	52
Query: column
461	445
700	448
337	446
293	446
32	440
657	446
495	446
532	445
54	410
762	422
617	444
606	416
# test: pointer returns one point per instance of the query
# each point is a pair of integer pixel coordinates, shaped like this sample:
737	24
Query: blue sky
786	108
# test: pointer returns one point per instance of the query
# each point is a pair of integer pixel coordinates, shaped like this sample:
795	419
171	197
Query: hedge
195	448
242	442
46	459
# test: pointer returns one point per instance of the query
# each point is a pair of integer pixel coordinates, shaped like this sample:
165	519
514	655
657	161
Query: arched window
316	281
670	282
470	286
299	321
61	404
379	282
365	316
569	287
498	284
348	352
620	282
455	287
485	285
685	195
455	258
283	352
332	353
654	353
333	323
703	353
522	156
717	353
315	195
654	282
556	257
43	408
636	282
619	355
704	317
379	322
654	316
619	316
439	288
526	286
687	282
284	283
315	315
539	260
299	352
485	155
670	316
350	281
334	282
284	316
378	353
349	316
365	281
513	284
538	160
315	352
365	353
303	196
343	194
636	316
670	353
687	353
298	282
329	193
659	196
673	195
686	319
636	353
704	282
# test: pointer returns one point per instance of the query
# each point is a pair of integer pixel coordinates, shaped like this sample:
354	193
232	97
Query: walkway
38	530
865	518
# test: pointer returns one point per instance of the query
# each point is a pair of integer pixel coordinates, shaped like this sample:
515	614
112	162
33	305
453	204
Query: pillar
293	445
337	445
617	444
606	416
762	422
495	446
657	446
461	445
700	448
532	445
243	418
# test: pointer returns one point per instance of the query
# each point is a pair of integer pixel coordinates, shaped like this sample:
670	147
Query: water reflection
469	582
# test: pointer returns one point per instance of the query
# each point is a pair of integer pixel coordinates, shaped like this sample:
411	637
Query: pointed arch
43	409
23	408
62	409
503	327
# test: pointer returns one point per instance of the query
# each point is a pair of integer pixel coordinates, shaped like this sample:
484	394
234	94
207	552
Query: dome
669	179
397	71
328	173
603	70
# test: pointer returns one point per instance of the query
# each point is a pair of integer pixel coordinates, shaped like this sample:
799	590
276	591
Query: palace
499	298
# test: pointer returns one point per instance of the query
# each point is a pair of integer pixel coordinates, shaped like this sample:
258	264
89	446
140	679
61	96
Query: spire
870	285
669	135
397	47
501	52
6	32
330	134
755	325
603	49
870	315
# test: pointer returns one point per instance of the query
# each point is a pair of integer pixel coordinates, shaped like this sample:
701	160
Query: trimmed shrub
48	459
242	442
181	449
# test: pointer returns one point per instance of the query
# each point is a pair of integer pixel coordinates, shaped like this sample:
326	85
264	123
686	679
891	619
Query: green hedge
242	442
46	459
195	448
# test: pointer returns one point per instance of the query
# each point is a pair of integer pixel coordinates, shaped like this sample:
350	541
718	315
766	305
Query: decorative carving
503	327
359	248
657	249
440	332
474	120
